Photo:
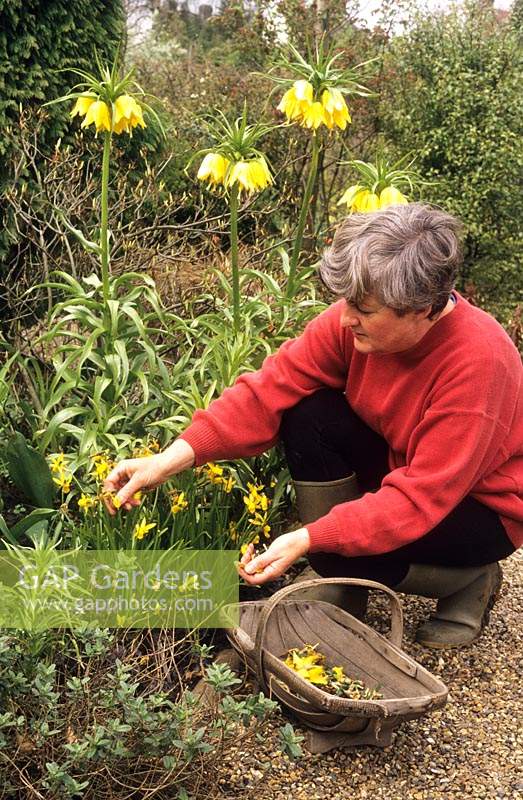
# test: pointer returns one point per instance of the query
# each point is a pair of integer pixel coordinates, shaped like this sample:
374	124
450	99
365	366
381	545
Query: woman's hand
136	474
283	552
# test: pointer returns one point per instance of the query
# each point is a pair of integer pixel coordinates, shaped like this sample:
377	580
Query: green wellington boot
465	597
314	499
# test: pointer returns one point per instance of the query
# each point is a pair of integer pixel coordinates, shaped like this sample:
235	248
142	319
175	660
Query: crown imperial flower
213	168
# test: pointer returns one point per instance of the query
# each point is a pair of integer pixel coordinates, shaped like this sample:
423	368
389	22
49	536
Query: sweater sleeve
458	440
245	419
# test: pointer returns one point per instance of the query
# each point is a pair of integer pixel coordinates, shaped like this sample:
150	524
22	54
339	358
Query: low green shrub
86	713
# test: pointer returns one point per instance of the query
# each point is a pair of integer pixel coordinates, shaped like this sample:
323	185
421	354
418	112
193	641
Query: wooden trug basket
268	629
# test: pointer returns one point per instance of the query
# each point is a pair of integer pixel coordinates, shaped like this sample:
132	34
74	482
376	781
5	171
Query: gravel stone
471	749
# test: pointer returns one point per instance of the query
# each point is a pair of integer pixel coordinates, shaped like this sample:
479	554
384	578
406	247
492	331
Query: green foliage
79	711
29	471
37	41
452	91
290	741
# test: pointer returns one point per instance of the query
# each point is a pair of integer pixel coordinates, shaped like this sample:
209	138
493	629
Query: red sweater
450	409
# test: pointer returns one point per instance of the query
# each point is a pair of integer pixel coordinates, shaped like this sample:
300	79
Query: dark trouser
325	440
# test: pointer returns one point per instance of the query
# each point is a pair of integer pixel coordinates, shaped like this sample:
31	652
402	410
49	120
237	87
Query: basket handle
396	624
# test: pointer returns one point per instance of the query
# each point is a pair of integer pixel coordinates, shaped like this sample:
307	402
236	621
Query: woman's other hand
134	475
276	560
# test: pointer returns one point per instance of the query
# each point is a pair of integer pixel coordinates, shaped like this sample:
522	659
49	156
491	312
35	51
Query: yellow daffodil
179	503
86	502
261	521
296	100
213	168
142	528
99	115
214	472
338	673
228	484
233	531
57	463
64	482
335	109
102	467
318	676
390	196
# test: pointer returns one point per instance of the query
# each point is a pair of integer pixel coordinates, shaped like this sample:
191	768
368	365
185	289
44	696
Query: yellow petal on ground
313	116
98	114
390	196
82	105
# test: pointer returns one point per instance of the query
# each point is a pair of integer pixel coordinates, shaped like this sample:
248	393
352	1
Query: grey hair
406	256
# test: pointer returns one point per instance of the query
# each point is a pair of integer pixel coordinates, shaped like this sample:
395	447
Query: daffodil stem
234	257
296	250
104	230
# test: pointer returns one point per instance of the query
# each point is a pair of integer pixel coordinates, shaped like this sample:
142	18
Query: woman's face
378	329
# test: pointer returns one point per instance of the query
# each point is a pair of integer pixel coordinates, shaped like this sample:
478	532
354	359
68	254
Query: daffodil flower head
86	502
142	528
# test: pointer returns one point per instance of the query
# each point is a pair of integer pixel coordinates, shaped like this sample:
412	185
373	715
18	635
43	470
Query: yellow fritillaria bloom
259	173
213	168
390	196
142	528
127	114
335	109
82	105
99	115
296	100
350	197
368	202
243	174
313	116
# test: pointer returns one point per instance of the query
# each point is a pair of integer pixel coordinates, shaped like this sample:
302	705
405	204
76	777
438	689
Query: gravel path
472	748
